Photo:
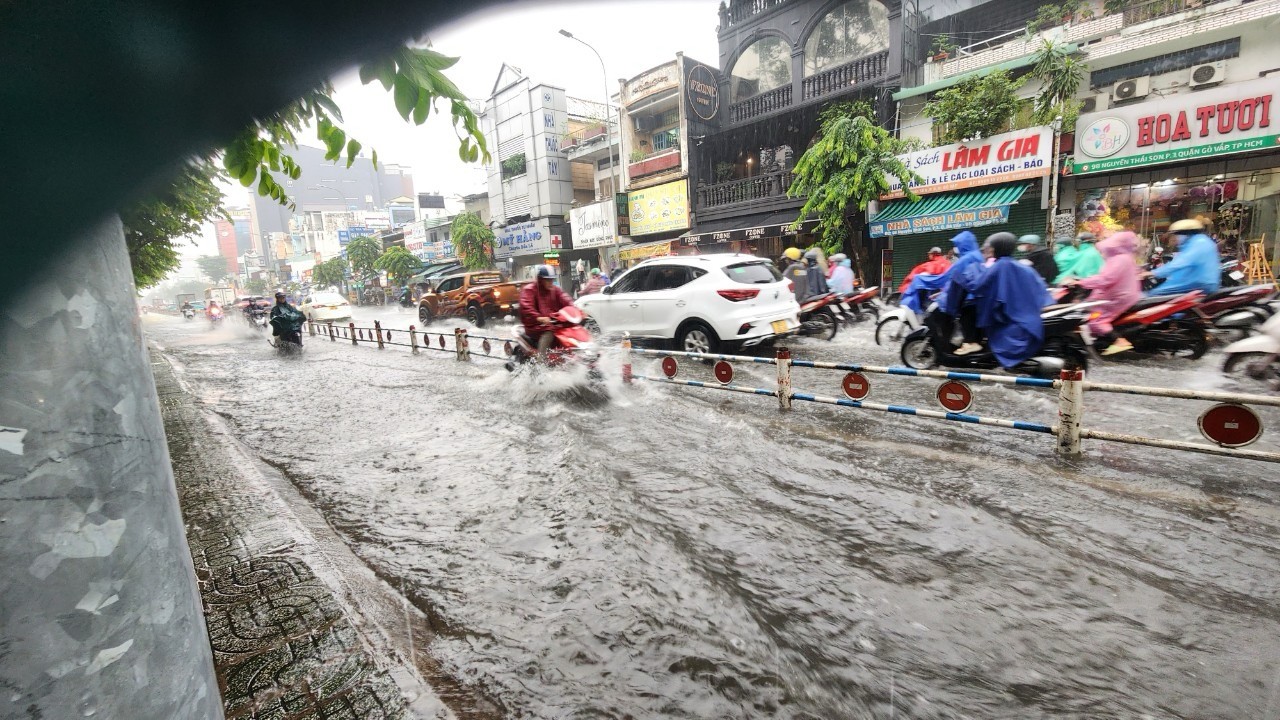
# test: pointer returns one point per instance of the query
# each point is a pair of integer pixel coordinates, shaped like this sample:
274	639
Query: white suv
704	303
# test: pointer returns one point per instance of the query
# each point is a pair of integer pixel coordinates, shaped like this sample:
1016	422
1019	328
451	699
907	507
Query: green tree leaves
398	263
363	253
848	165
152	225
473	241
213	267
330	273
1060	76
975	108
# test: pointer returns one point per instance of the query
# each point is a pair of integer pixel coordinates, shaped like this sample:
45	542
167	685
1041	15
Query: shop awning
1020	62
947	211
748	227
645	250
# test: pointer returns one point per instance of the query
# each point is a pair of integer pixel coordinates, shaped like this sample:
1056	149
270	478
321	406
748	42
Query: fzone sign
998	159
1222	121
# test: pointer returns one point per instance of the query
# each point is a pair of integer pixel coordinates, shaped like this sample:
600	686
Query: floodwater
680	552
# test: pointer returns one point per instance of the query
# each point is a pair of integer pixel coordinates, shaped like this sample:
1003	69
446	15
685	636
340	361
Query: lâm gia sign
998	159
1225	120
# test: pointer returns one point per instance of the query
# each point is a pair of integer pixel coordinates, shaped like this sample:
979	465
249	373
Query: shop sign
753	233
1231	119
702	91
377	220
592	225
523	238
659	78
623	214
886	268
659	209
648	250
954	220
1003	158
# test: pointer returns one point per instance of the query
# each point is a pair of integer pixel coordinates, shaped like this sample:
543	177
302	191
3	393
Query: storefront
765	235
521	247
594	233
994	185
1212	155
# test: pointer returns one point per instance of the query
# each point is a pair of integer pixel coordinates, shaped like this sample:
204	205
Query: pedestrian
581	271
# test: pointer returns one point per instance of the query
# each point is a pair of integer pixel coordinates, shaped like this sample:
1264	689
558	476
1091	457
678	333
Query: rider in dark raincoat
1009	296
286	321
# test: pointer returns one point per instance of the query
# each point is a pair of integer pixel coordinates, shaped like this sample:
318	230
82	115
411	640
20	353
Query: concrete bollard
331	337
377	328
1070	411
352	327
626	358
413	339
784	378
460	344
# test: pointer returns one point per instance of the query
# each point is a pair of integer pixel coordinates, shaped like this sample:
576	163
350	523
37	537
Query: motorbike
1221	310
257	316
288	332
858	305
573	344
1157	323
1258	356
215	317
818	316
1238	324
1065	344
188	313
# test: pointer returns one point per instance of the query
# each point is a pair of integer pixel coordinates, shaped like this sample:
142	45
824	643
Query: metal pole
1053	179
460	345
784	378
609	122
1070	410
352	326
377	328
413	339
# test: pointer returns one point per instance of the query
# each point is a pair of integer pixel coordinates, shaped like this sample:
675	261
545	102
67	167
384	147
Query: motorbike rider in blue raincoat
1196	266
955	299
1008	297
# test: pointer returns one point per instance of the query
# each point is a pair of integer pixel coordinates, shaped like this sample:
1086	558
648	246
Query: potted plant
636	156
942	47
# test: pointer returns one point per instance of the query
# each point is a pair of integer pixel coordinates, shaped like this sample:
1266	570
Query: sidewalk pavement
287	643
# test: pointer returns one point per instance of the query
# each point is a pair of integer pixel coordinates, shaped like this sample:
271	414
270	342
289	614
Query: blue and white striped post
784	378
1070	410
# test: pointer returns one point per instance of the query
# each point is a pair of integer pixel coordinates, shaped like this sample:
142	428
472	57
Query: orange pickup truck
477	296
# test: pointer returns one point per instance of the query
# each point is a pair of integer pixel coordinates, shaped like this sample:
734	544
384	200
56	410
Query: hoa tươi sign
1225	120
1003	158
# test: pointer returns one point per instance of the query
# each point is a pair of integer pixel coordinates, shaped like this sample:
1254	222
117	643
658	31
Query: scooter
858	305
818	316
1221	311
288	336
1258	356
1238	324
215	317
188	313
573	344
1065	344
897	323
1163	323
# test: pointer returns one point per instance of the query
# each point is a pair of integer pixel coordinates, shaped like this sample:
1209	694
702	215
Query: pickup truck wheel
424	316
475	315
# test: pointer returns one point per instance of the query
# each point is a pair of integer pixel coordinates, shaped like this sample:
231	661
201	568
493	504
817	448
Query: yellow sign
659	209
648	250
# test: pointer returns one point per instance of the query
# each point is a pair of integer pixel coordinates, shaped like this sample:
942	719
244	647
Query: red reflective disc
506	347
724	372
442	341
856	386
485	345
1231	425
955	396
669	367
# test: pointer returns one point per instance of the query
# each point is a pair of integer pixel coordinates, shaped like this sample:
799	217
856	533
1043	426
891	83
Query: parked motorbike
1258	356
818	316
1064	346
573	344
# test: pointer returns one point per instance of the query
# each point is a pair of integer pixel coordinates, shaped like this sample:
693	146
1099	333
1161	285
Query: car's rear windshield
758	272
486	279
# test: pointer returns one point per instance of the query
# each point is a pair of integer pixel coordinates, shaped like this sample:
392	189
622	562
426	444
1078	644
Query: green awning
947	211
936	85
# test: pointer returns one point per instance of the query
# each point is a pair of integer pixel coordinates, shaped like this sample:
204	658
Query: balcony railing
663	160
762	104
844	77
740	11
585	136
769	185
1145	11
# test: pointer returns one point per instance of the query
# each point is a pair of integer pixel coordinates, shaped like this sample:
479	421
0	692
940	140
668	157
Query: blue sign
360	232
954	220
344	237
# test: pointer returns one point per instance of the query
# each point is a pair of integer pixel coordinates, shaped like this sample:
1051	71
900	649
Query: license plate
1237	275
780	326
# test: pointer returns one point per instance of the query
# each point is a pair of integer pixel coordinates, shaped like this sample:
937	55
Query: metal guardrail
1229	423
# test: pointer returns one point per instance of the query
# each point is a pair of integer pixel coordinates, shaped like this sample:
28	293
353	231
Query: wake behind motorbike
1065	344
572	344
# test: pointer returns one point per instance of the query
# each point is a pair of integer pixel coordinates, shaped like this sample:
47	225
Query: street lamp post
608	108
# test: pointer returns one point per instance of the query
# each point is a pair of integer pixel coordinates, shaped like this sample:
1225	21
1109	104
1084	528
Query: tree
152	225
473	241
1060	76
399	264
415	76
975	108
363	253
256	286
213	267
849	164
330	273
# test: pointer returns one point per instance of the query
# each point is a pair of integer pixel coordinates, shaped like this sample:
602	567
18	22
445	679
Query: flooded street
688	553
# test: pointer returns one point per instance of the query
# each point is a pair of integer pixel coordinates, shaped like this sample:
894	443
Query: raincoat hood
965	242
1122	243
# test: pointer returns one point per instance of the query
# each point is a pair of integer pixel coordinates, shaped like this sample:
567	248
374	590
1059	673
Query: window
1170	62
449	285
668	117
753	273
666	140
763	66
670	277
632	281
853	30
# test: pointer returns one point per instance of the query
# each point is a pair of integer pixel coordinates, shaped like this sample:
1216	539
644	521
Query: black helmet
1002	244
544	271
280	296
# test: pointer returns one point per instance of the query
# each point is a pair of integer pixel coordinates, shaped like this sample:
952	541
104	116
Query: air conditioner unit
644	122
1208	74
1095	103
1134	89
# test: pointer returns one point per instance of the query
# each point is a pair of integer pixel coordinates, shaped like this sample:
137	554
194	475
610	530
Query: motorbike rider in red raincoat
538	301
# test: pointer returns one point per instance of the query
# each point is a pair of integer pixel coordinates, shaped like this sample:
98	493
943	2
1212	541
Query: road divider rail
1230	424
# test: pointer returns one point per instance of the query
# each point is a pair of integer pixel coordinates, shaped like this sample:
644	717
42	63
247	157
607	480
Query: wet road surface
687	553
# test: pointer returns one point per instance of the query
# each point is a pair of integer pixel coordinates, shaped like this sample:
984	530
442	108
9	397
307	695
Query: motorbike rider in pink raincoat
1118	283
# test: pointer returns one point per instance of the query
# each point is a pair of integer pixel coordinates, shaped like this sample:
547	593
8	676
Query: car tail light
745	327
736	295
791	286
